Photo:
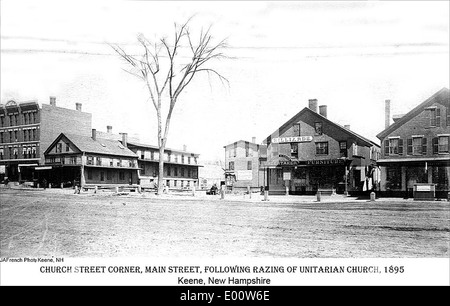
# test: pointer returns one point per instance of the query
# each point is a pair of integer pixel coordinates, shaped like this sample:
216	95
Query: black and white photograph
231	144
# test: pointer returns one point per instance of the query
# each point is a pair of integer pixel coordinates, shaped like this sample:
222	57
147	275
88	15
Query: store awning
407	160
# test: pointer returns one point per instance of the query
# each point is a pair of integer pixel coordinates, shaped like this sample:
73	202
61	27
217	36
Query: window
67	147
247	149
318	128
182	159
121	175
90	160
175	183
24	152
297	129
294	149
416	145
435	117
234	152
249	165
343	148
33	151
441	144
394	178
176	158
73	160
58	147
15	136
447	110
189	172
2	121
1	137
321	148
231	165
168	170
168	157
1	153
393	146
102	176
175	171
189	160
109	175
98	161
89	174
152	155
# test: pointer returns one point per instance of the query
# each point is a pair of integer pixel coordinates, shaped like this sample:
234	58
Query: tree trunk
161	168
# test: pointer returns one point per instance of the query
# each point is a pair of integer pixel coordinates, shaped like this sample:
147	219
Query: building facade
416	148
310	153
83	160
242	165
180	167
26	130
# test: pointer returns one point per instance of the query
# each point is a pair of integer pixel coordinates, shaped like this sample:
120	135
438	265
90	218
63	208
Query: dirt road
45	223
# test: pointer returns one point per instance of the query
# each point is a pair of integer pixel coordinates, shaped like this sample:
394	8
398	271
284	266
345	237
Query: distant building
242	165
212	172
82	160
310	153
26	130
416	148
180	167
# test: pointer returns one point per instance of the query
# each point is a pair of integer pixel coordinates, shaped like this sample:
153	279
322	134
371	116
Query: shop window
182	171
109	175
121	175
440	178
102	176
89	174
318	128
394	178
231	165
322	148
249	165
175	171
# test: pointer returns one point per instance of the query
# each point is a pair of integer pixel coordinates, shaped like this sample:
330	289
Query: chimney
323	110
94	134
347	126
52	101
109	129
78	106
313	105
254	139
387	113
124	139
184	148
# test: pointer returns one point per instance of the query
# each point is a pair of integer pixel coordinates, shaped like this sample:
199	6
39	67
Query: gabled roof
100	146
296	117
442	96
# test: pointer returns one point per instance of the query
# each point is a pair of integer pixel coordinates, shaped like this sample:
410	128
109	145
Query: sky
351	56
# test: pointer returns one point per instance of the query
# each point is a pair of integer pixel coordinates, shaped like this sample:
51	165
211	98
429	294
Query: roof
442	96
99	146
305	110
256	144
142	145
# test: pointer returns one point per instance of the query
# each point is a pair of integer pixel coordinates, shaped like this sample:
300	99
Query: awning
43	168
28	165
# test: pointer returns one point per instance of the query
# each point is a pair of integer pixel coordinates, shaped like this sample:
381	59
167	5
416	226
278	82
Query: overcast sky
350	56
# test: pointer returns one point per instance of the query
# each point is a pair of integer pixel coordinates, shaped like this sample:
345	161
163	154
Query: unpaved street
47	223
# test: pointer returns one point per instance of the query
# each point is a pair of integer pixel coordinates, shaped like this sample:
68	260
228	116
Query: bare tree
167	68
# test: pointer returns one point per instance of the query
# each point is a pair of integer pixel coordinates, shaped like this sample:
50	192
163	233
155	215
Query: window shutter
438	117
386	147
400	146
424	146
409	146
435	145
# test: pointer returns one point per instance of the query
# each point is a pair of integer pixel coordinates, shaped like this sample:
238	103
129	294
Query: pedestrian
44	183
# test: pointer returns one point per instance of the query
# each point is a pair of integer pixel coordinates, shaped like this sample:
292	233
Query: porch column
82	177
404	187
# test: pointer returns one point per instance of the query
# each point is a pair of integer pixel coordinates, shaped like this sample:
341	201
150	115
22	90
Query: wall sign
292	139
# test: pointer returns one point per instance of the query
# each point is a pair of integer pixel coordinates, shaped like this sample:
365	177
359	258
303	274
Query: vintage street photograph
224	129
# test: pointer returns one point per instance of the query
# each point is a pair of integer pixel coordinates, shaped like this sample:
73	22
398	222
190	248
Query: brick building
89	160
26	130
180	166
242	165
415	148
310	153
